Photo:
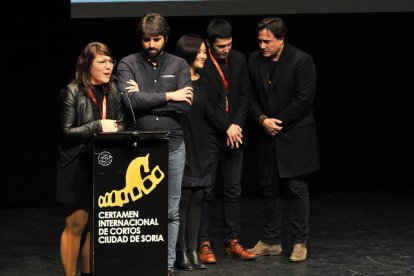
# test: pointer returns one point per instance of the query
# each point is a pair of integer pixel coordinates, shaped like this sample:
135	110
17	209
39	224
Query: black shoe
86	274
193	256
182	261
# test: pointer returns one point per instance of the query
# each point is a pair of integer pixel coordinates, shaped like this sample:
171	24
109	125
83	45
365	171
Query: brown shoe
235	249
205	253
262	249
299	253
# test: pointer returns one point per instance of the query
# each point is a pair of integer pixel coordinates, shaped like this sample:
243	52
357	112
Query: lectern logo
105	158
135	184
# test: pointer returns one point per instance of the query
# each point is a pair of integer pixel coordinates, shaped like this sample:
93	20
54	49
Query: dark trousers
295	191
230	161
190	214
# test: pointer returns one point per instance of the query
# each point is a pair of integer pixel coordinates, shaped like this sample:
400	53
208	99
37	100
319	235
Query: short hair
85	60
153	24
274	24
218	28
188	47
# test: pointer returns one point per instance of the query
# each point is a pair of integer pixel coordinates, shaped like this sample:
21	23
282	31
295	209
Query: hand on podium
109	125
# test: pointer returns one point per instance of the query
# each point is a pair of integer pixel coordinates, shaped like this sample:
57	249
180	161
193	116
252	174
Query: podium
130	203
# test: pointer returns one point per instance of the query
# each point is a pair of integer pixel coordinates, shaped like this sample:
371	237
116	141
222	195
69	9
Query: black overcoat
290	98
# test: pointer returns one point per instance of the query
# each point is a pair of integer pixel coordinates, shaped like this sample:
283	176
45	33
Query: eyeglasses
109	62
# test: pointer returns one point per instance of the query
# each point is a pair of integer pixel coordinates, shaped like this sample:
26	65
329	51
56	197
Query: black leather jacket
76	123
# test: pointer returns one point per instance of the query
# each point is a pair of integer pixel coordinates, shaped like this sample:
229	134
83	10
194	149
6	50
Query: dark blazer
238	93
290	98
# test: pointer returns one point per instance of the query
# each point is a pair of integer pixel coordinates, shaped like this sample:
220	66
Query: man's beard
221	56
154	54
224	56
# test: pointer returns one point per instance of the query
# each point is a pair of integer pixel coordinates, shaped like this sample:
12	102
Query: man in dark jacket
227	75
283	80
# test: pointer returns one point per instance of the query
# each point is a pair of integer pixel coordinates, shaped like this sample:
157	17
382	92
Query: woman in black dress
197	164
89	104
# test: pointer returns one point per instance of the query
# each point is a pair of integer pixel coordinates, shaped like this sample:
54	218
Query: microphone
130	107
134	143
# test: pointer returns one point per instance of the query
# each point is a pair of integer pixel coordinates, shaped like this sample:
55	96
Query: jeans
176	162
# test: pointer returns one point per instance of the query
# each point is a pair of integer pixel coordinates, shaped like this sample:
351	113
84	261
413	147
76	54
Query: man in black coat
283	80
226	73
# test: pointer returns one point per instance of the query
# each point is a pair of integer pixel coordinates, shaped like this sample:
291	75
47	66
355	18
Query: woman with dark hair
197	164
89	104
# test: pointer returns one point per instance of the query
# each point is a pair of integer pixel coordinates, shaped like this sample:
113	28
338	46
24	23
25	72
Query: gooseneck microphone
134	132
130	107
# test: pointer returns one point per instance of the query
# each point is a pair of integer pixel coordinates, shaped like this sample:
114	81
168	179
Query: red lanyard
223	78
92	96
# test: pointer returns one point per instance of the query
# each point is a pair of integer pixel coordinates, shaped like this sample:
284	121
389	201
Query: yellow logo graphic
135	184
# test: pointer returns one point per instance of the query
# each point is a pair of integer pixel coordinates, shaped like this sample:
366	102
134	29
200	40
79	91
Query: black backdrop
364	112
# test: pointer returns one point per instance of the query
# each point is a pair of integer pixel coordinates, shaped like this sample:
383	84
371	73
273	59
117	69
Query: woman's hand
109	125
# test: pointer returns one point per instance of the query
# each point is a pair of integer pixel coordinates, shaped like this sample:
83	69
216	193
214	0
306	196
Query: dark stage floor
352	233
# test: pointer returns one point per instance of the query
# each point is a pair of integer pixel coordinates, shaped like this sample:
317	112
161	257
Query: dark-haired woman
89	104
197	164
